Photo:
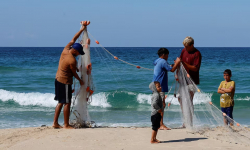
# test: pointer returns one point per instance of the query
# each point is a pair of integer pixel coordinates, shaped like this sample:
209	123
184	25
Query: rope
139	67
224	113
211	102
169	92
72	107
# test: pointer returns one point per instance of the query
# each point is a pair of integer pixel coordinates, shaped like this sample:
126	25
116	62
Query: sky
126	23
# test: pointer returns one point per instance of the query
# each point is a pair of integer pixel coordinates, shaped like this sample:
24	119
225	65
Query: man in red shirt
191	60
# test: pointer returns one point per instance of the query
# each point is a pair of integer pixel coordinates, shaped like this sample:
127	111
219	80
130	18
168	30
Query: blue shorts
229	112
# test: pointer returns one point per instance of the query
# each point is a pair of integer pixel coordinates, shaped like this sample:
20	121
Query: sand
41	138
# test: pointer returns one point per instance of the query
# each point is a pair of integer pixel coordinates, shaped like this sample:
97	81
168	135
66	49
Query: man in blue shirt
161	68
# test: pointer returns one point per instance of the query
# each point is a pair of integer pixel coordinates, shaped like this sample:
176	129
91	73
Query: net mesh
81	117
196	113
204	117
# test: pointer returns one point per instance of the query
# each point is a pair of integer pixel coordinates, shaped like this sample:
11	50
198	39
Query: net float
224	114
238	124
91	92
116	58
199	90
166	96
188	75
97	42
88	41
73	90
210	103
87	89
84	23
138	67
89	67
169	104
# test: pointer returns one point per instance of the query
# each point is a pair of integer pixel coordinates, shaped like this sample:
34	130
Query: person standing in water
64	79
191	60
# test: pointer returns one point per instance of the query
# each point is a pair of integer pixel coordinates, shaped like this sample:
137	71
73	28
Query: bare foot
154	141
68	127
157	141
56	126
163	127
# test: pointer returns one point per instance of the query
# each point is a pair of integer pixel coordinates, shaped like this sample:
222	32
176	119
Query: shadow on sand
184	140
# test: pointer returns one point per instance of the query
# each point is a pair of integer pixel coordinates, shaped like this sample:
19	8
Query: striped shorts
63	92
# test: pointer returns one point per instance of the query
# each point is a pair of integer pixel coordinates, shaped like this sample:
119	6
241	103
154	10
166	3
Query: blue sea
122	96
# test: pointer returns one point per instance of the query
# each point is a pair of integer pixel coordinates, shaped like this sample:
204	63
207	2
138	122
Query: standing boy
227	90
64	79
157	107
161	68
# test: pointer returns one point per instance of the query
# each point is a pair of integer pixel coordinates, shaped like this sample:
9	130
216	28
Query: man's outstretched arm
75	37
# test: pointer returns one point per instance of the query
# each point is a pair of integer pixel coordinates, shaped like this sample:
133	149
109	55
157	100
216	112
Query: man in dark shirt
191	60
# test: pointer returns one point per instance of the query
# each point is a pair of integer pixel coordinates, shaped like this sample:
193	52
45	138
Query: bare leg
66	112
153	137
225	121
57	113
183	125
192	96
162	126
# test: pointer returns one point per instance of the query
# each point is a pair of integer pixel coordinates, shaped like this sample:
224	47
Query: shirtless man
64	79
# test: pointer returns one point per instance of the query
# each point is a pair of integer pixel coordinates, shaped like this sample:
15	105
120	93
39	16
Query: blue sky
126	23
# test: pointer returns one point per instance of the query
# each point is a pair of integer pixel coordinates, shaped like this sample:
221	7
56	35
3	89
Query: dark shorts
156	119
63	92
229	112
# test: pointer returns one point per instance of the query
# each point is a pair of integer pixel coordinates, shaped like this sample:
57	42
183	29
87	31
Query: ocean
122	96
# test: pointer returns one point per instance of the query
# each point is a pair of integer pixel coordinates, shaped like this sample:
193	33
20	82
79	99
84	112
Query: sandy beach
41	138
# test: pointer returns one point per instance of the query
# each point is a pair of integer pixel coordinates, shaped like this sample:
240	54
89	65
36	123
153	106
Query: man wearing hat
64	79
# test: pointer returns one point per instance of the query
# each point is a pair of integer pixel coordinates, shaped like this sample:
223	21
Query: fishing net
80	117
191	108
202	116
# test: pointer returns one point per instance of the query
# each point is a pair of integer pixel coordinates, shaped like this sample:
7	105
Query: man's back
67	62
161	73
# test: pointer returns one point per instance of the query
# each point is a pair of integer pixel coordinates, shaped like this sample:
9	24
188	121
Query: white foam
144	98
131	93
199	98
46	99
34	98
242	99
100	99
